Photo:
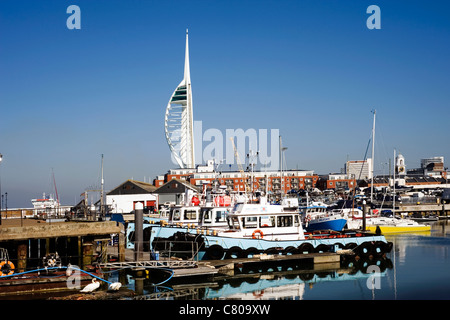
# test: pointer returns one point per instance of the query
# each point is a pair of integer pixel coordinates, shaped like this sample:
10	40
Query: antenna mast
373	150
101	192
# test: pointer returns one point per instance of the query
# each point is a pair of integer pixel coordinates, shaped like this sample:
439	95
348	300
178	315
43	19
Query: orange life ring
11	268
261	234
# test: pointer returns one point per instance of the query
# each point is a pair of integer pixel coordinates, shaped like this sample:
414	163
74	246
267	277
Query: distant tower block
179	123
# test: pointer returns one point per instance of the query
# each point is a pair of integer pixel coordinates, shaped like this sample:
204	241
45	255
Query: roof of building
176	186
133	187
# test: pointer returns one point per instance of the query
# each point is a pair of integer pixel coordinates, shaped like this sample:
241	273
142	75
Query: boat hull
218	247
335	225
399	229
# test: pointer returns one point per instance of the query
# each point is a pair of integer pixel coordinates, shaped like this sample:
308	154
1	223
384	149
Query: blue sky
311	69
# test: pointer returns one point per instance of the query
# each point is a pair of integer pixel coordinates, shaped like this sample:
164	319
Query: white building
124	198
359	169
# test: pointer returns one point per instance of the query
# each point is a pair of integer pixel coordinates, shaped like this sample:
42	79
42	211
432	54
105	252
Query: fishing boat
189	217
316	216
266	228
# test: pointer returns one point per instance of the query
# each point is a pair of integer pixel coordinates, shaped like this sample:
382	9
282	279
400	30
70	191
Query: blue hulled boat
316	216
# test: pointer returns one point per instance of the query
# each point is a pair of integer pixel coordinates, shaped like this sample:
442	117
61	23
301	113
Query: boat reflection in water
287	282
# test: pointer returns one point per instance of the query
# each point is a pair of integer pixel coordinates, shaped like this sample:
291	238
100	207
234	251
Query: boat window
267	222
296	221
221	216
238	207
176	215
284	221
190	214
206	216
249	222
233	223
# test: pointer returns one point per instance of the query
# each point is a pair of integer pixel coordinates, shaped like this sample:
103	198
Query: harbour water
416	268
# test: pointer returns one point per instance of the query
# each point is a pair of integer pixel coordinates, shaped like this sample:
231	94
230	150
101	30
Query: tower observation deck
178	122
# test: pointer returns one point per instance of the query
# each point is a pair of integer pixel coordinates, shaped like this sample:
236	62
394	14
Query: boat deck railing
171	264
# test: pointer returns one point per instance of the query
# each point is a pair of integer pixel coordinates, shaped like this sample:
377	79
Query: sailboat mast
101	192
393	201
56	190
373	154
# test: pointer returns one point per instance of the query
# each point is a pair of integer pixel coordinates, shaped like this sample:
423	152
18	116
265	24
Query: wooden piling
22	250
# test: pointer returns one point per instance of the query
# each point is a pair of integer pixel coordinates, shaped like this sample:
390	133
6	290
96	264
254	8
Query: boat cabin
200	216
213	216
183	214
264	221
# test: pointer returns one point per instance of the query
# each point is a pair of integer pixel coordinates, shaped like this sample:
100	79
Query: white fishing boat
208	212
262	227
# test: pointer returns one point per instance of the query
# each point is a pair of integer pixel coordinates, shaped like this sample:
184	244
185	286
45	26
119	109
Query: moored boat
266	228
395	225
316	216
375	221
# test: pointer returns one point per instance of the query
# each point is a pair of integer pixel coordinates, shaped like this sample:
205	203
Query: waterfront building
359	169
270	181
337	181
176	191
433	167
123	198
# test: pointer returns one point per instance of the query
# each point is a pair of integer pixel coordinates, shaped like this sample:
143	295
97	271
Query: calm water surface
417	268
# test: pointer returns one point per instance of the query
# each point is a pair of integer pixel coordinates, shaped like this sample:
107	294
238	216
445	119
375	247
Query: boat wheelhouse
258	221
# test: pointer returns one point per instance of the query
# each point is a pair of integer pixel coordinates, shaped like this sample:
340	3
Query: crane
238	161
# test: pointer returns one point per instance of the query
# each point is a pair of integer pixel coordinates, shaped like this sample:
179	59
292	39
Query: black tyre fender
234	253
322	247
290	250
250	252
364	250
306	247
271	251
379	248
215	252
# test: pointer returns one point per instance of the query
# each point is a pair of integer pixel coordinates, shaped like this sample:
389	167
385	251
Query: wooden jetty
34	244
29	240
193	268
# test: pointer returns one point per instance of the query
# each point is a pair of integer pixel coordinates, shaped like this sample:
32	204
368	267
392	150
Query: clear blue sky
311	69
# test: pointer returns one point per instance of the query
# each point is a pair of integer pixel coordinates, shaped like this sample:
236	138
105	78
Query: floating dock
193	268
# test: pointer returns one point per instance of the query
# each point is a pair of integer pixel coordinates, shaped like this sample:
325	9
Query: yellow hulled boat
395	225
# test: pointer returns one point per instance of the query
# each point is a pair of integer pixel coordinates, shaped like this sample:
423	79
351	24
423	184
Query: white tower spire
187	71
179	123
